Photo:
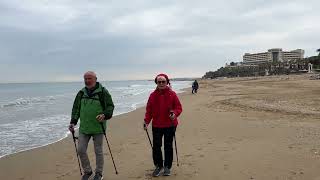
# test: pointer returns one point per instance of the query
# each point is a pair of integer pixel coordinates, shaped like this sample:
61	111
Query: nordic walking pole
148	135
105	135
75	146
149	138
175	140
175	143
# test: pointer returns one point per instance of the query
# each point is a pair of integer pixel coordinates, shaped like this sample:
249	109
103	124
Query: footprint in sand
294	173
69	157
203	130
136	177
188	155
148	173
188	164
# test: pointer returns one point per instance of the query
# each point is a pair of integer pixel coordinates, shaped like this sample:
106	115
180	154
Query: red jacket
159	105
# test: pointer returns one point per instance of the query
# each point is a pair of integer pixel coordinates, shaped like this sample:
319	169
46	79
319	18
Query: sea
37	114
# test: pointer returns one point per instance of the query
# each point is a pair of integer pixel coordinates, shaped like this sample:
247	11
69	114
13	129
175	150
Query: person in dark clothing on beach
162	109
195	87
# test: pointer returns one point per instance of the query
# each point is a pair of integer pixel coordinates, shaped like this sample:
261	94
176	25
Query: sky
58	40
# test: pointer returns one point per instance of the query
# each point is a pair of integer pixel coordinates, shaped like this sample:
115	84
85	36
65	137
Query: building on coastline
273	55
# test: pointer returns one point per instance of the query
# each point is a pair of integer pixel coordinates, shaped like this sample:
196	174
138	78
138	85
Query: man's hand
101	117
172	116
145	126
71	127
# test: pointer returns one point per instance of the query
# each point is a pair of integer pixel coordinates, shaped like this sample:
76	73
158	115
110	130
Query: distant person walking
162	109
195	87
93	105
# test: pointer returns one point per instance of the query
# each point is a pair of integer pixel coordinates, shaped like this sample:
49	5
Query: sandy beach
264	128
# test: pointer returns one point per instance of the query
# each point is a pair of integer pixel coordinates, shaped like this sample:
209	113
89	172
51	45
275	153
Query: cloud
57	40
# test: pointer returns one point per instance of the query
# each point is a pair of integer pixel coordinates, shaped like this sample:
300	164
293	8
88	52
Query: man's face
90	81
161	82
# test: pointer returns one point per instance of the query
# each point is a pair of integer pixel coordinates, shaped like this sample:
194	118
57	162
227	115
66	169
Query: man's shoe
97	176
86	176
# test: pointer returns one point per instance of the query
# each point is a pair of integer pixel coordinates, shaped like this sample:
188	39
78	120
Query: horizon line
78	81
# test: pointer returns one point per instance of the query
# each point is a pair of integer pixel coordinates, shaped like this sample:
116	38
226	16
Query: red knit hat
164	75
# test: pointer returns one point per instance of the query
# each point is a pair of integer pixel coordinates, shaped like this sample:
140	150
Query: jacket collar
97	89
163	91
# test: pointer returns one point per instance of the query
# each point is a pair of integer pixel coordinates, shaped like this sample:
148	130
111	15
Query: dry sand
233	129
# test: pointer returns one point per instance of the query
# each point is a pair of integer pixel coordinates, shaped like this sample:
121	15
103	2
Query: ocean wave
141	85
28	101
28	134
130	92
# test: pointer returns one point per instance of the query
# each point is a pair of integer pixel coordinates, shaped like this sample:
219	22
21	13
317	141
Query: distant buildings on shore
272	55
273	62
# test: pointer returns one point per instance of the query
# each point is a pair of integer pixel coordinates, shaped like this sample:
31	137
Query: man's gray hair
90	73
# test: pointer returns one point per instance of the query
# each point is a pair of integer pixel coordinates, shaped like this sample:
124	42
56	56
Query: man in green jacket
93	105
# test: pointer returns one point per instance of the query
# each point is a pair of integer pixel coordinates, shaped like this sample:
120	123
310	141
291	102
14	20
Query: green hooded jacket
88	107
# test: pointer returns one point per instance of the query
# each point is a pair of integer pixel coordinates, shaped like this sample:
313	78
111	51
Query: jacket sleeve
75	115
177	109
108	112
148	115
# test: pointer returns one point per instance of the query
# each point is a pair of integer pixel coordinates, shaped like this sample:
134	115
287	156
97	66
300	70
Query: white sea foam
25	101
28	134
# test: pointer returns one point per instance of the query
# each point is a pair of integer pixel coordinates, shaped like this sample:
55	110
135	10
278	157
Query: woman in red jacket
163	108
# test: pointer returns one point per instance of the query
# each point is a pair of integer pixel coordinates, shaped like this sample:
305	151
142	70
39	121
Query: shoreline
68	134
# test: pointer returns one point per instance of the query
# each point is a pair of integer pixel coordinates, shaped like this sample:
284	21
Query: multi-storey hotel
273	55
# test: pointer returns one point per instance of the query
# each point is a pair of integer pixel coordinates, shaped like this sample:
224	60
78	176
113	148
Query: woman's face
161	82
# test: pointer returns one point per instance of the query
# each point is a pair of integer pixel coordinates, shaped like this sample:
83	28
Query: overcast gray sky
57	40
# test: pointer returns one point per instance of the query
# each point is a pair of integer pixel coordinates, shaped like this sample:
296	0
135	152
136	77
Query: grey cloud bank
58	40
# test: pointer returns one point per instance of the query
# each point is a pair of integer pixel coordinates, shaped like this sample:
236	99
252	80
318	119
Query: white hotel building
273	55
